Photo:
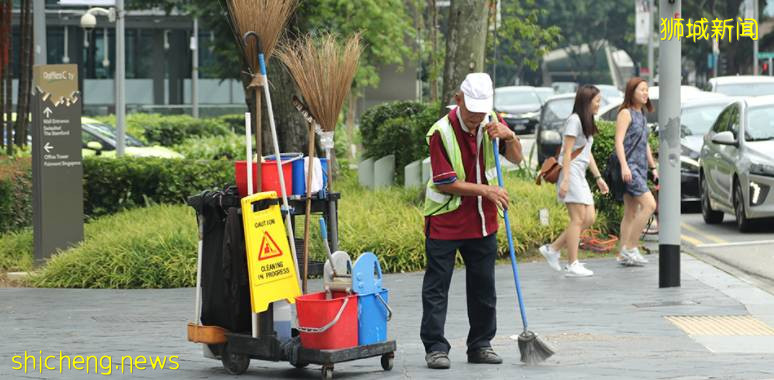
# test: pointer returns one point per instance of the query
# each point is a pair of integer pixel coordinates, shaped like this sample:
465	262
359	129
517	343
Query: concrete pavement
612	326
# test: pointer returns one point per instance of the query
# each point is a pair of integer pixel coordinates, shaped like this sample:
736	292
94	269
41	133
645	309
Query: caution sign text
269	259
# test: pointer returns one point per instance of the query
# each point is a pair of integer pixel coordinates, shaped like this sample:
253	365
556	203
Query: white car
743	85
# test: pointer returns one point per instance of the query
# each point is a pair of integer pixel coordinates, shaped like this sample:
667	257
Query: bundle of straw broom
267	19
323	69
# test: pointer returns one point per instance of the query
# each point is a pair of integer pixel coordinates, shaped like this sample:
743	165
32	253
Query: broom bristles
323	69
533	350
267	18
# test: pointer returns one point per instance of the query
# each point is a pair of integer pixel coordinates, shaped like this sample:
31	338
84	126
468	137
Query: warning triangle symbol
269	248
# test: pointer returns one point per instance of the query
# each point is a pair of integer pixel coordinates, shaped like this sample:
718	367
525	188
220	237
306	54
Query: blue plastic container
299	177
372	304
372	318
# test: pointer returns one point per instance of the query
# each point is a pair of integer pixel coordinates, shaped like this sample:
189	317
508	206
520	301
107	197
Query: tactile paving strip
721	325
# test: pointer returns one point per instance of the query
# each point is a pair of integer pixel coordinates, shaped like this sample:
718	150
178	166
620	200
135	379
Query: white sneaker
624	260
552	257
577	269
628	259
635	255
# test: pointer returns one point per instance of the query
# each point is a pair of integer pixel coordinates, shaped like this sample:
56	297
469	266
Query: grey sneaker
485	355
552	257
627	259
438	360
637	257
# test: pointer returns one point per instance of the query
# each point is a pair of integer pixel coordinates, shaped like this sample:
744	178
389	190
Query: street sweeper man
461	202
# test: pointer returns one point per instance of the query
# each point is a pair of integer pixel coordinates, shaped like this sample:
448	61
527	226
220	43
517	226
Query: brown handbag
549	171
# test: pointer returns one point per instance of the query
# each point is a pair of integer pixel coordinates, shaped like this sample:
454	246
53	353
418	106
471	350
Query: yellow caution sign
269	258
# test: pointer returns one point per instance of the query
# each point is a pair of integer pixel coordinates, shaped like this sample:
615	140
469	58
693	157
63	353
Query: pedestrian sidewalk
610	326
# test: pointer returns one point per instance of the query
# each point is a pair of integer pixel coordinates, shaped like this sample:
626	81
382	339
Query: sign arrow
48	147
47	112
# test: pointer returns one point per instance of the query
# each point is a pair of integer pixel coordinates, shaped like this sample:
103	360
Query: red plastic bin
315	312
269	177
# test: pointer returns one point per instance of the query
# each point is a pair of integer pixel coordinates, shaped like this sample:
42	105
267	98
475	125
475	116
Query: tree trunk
4	32
465	44
291	129
433	28
25	76
9	83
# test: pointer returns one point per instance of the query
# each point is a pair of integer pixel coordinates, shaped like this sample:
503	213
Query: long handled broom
264	21
323	70
533	350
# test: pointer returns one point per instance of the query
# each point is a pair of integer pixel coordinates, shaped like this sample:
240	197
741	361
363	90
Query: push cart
235	349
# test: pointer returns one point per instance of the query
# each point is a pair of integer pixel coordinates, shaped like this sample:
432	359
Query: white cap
478	91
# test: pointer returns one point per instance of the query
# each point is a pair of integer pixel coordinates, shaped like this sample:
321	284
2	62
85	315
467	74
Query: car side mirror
724	138
94	145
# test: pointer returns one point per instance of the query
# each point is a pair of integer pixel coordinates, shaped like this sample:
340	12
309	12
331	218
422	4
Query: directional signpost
56	159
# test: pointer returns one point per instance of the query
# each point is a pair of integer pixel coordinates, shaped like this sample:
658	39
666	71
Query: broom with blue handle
533	350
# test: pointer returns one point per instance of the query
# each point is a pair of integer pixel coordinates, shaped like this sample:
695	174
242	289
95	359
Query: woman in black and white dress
572	188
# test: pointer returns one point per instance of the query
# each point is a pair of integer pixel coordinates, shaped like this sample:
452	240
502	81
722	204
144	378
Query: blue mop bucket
299	176
373	308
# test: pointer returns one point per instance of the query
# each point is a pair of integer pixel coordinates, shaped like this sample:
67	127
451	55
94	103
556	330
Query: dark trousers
479	257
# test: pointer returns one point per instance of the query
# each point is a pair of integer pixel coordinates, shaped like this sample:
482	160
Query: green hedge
156	246
227	147
152	247
15	193
169	130
397	128
111	184
16	251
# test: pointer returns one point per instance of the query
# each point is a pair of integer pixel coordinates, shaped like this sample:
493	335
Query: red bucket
327	324
269	177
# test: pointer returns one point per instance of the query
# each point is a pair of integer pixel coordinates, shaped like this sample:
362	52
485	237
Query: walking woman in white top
573	189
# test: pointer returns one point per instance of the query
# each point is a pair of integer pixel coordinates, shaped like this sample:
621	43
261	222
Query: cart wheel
327	372
387	361
234	363
300	365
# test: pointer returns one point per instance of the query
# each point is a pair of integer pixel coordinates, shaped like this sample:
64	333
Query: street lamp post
39	31
89	21
669	153
120	78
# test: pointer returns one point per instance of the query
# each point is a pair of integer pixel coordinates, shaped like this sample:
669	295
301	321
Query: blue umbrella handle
510	237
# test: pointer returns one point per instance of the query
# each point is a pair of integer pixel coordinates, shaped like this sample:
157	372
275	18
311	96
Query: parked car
555	112
698	110
564	87
519	106
737	163
743	85
100	139
611	93
544	93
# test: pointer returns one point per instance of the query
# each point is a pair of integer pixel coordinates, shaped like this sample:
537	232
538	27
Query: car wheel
744	224
710	216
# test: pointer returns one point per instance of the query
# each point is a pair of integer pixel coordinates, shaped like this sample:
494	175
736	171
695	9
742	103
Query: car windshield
610	92
557	111
109	132
516	98
760	124
746	89
697	121
544	93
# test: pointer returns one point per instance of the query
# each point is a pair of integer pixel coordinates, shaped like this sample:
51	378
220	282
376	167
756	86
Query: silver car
737	163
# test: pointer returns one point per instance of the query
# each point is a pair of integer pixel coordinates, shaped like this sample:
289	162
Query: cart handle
317	330
389	309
